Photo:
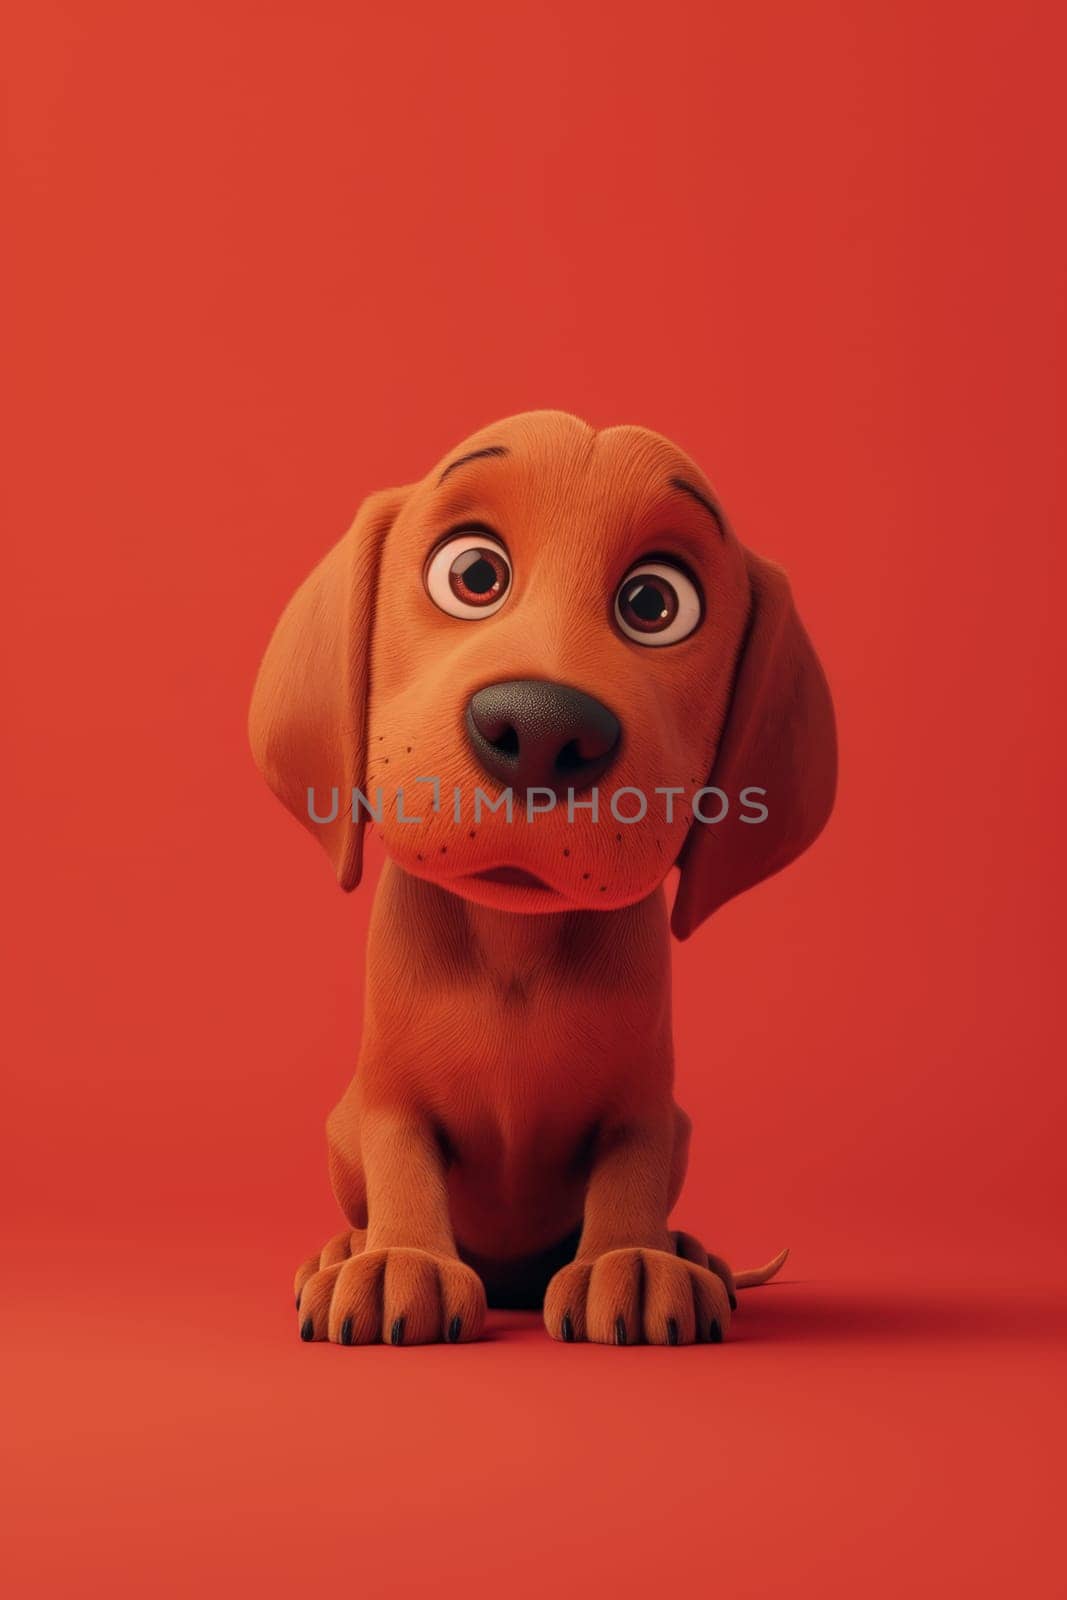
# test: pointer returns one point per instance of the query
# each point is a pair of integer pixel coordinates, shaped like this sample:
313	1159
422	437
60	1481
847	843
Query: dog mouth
512	878
508	888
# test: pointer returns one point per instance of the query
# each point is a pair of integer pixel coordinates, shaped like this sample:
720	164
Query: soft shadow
505	1324
797	1312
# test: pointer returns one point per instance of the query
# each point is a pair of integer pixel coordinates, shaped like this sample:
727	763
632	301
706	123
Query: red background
266	258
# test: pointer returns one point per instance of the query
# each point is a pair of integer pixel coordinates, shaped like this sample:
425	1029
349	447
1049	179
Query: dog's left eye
469	575
657	604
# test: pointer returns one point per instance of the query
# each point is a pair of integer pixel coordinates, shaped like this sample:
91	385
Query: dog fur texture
511	1130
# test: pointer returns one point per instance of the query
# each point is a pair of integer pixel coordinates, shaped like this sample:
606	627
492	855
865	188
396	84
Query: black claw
396	1336
307	1330
732	1299
715	1333
620	1330
455	1328
566	1328
672	1331
346	1331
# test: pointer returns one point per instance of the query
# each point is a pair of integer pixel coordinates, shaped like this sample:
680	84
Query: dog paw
349	1242
397	1296
638	1296
685	1244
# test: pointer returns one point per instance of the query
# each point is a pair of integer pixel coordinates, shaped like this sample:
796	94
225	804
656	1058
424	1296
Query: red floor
175	1438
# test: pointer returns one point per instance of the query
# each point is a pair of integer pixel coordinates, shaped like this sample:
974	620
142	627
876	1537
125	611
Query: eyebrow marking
475	455
702	500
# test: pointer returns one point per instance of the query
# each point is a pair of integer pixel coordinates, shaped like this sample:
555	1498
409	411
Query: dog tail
757	1275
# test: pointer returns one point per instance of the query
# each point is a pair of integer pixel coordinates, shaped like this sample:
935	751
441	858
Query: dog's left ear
308	720
778	737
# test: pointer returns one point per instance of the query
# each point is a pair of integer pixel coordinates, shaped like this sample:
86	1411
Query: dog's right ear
308	720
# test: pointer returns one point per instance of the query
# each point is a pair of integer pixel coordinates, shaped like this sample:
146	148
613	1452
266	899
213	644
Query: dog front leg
408	1285
627	1284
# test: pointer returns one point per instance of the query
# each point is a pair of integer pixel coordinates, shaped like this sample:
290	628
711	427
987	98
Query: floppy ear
778	736
308	720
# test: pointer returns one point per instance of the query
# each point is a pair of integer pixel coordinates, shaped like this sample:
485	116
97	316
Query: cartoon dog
553	616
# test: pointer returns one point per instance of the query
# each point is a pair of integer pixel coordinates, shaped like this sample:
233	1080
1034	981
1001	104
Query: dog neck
451	936
511	942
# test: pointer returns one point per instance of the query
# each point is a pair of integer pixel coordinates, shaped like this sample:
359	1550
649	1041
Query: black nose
534	735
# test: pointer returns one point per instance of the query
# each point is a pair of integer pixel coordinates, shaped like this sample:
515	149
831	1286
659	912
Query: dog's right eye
469	575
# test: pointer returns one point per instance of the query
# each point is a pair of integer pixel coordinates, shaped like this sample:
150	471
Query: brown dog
553	614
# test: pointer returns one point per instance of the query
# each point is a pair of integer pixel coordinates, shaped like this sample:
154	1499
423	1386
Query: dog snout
530	734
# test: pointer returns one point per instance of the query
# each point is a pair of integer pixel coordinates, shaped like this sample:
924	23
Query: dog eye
469	575
657	604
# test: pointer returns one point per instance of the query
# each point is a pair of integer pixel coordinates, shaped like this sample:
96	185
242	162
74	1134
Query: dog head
563	617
